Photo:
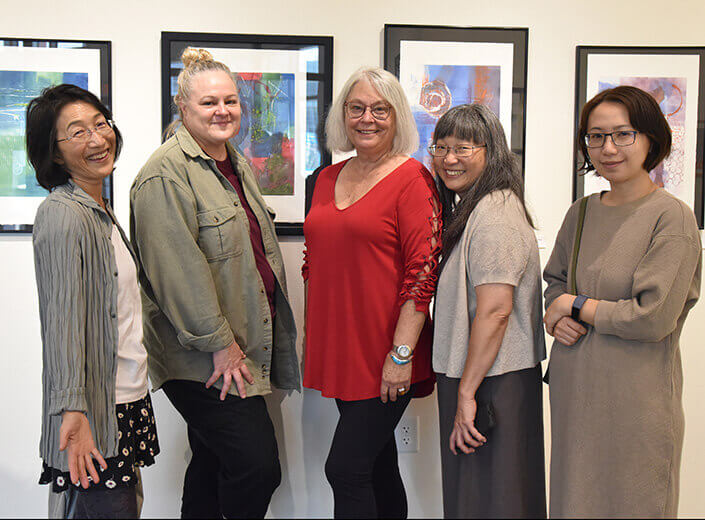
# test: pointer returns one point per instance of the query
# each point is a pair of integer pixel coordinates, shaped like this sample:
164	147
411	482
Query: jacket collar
189	145
77	193
191	148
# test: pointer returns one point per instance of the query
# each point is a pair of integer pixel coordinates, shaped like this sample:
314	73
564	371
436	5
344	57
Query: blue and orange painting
17	89
446	86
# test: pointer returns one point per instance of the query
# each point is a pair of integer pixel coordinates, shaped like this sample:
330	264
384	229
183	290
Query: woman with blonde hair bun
219	328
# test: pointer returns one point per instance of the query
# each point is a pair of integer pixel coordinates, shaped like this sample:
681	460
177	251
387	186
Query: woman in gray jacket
96	406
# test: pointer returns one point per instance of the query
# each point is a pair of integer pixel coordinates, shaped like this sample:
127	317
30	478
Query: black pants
235	468
362	466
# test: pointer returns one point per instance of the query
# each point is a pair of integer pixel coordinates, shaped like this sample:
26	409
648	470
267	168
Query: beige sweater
616	412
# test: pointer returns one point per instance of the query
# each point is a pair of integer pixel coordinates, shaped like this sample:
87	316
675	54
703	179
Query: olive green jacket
200	284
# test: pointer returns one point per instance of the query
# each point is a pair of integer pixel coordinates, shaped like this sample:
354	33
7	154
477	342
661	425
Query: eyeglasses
83	135
357	110
619	138
459	151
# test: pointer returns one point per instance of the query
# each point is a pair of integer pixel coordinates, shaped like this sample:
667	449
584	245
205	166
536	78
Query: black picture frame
319	90
582	53
394	34
19	100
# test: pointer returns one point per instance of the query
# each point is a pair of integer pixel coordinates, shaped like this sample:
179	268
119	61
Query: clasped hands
559	323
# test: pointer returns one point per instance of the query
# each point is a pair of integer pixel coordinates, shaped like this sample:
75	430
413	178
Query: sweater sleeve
556	272
419	224
62	305
663	286
165	232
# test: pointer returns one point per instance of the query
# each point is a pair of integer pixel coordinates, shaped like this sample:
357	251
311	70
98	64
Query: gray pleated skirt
505	478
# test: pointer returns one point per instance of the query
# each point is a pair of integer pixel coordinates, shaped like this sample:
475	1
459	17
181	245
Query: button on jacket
200	284
78	286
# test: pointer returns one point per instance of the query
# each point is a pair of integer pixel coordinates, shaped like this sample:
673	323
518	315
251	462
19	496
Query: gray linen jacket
78	286
200	284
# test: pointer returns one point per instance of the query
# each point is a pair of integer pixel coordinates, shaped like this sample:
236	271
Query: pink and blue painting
446	86
17	89
670	94
267	129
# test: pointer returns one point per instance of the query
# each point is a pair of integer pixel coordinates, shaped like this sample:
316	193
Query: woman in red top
372	242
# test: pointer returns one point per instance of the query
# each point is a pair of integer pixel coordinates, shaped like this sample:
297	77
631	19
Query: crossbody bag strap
576	245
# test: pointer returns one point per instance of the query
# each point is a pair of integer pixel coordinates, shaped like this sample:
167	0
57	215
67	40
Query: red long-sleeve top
362	263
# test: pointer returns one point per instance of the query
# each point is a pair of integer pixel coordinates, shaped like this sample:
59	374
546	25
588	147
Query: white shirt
131	383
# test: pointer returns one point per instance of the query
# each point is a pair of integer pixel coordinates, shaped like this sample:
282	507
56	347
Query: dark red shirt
265	271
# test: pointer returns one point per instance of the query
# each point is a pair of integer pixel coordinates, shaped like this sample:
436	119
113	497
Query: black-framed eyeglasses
83	135
357	110
438	150
619	138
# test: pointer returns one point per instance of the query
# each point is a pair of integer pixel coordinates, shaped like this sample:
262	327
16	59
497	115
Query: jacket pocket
219	235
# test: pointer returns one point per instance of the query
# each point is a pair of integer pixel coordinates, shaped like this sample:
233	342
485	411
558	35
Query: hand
394	377
230	363
75	433
464	432
568	331
561	306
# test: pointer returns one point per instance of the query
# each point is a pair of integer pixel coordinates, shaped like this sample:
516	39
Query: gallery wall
304	422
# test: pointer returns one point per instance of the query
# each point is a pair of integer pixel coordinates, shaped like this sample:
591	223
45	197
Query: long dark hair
478	124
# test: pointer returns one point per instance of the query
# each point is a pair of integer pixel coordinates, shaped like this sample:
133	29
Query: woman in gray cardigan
97	420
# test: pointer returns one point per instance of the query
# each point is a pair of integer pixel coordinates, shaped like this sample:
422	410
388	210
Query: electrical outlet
408	434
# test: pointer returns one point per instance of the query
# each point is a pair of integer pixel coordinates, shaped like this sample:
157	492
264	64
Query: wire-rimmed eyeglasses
356	110
438	150
83	135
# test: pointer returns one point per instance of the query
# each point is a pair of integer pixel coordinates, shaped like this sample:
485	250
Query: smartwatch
578	303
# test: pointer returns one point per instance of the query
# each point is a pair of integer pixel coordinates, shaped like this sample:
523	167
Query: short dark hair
42	113
644	115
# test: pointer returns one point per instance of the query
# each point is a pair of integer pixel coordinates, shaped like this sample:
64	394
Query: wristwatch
401	354
578	303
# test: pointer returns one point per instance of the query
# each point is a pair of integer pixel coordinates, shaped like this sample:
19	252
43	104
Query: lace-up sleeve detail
304	267
419	220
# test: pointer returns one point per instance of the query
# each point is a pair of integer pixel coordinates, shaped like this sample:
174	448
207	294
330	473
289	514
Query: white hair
406	138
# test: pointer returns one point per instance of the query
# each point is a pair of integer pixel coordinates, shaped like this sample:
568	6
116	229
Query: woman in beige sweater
616	379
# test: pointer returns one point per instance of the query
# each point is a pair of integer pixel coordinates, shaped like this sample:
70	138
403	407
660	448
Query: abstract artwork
443	67
17	89
673	77
26	68
285	86
267	129
445	86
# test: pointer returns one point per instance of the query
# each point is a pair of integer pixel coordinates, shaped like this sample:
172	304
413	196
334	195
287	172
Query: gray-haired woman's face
368	134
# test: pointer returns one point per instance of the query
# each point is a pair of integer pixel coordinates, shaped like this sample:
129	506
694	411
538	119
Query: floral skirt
137	446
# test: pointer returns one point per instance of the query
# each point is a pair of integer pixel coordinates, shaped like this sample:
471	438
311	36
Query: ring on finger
402	390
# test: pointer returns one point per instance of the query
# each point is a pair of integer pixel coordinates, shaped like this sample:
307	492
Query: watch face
403	350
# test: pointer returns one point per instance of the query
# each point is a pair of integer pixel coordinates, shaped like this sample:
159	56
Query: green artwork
17	89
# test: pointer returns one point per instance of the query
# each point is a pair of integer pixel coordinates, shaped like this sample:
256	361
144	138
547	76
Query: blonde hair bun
192	56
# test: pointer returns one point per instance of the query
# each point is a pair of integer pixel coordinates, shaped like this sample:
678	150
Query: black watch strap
578	303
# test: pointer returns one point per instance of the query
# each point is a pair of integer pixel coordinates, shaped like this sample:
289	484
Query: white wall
304	422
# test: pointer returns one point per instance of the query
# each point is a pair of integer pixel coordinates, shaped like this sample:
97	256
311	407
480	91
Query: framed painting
285	85
442	67
27	66
674	76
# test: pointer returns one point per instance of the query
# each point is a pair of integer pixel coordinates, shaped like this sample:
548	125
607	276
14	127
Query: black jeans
235	468
362	466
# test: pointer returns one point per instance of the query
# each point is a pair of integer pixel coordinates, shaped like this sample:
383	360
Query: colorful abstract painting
266	134
17	89
446	86
670	94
